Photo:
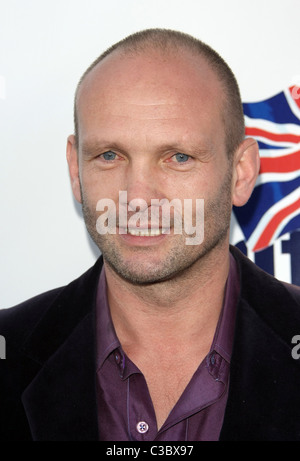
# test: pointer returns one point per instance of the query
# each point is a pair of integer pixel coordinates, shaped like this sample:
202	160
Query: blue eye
109	155
181	158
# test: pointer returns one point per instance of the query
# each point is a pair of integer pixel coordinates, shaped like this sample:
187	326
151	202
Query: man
161	340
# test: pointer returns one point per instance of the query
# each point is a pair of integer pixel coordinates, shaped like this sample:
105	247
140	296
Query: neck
173	312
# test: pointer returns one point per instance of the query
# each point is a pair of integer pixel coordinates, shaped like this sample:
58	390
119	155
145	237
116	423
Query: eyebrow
90	148
93	147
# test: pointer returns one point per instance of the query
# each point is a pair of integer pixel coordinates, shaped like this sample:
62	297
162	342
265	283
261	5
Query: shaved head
172	43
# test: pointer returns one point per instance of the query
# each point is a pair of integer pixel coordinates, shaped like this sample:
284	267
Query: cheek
97	185
197	185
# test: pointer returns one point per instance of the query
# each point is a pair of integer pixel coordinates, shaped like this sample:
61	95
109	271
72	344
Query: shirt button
117	358
142	427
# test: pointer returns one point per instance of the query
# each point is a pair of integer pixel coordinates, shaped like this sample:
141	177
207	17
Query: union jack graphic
274	207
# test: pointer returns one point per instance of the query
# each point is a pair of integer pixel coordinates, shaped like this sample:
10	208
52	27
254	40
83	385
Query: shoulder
17	322
256	282
274	302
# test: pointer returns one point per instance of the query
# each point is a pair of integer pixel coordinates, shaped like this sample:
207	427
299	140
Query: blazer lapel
264	398
60	402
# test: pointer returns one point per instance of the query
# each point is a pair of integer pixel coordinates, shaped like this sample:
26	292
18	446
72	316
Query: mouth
147	232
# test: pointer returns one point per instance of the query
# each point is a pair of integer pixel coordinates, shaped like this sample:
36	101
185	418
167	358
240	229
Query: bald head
172	44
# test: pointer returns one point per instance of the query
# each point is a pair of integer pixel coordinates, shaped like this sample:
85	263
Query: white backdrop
45	45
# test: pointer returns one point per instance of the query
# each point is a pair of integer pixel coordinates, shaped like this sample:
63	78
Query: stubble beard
180	259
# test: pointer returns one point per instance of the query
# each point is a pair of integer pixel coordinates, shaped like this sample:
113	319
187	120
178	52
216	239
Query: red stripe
295	93
252	131
283	164
270	229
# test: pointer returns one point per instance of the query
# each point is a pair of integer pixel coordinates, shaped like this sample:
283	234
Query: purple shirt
125	409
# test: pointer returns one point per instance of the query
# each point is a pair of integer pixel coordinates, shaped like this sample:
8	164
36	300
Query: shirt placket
141	419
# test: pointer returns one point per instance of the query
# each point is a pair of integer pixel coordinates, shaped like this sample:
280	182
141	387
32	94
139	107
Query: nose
142	184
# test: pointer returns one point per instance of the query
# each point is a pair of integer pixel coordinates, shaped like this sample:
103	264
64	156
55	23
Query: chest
165	391
167	378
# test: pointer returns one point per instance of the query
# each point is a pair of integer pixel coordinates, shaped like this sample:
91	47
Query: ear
246	170
72	158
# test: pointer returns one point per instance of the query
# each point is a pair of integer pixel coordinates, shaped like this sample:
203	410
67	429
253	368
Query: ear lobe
72	159
246	170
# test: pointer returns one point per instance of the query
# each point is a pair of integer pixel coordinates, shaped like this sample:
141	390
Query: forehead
150	86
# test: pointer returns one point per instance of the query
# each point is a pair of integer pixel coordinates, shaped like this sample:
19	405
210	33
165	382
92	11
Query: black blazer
48	379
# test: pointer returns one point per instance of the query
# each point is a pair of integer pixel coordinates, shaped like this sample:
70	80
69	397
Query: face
151	126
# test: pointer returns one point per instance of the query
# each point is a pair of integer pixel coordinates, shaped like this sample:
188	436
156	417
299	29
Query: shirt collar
223	339
107	340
